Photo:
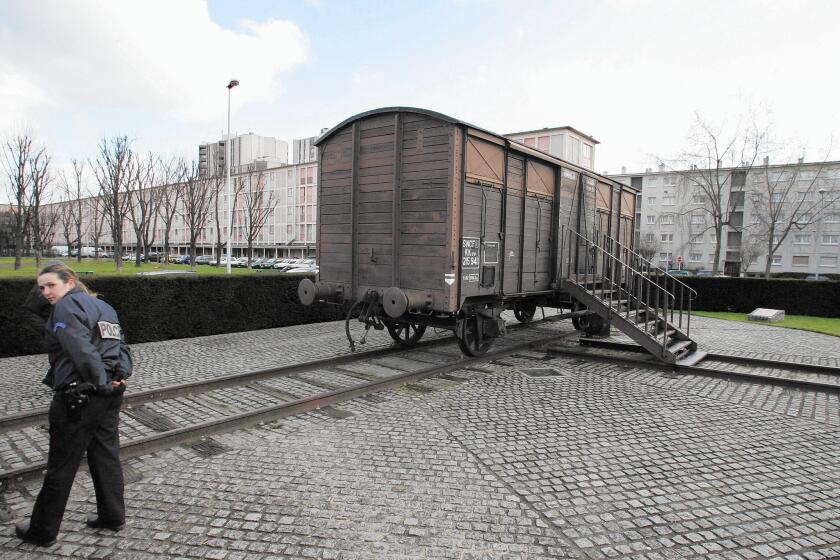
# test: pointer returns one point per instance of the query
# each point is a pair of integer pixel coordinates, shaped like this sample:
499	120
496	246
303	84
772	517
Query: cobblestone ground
597	461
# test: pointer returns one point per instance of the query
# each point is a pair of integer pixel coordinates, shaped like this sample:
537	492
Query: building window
669	180
695	239
649	237
667	237
831	239
804	196
832	218
829	262
695	257
651	200
666	219
698	199
777	260
651	220
530	141
802	239
666	257
698	220
586	151
777	197
543	143
668	200
800	260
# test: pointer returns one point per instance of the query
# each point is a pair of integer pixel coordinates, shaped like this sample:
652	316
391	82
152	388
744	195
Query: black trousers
97	432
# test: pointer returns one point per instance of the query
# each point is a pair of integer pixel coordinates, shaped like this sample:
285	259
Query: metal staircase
643	301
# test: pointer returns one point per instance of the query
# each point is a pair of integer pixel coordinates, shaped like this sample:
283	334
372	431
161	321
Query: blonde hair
65	273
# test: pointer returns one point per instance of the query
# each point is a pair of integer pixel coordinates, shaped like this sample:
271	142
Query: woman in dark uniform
88	366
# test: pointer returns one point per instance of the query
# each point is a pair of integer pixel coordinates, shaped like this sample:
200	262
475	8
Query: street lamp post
232	84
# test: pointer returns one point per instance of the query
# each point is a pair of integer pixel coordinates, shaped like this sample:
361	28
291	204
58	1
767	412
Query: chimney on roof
661	167
648	169
766	160
624	170
801	160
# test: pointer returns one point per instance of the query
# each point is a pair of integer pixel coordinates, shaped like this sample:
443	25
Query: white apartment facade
564	142
248	152
670	218
289	230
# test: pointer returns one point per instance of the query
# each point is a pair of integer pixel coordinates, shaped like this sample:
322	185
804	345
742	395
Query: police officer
88	366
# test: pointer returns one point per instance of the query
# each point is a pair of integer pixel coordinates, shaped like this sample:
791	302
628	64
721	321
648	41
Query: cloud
154	55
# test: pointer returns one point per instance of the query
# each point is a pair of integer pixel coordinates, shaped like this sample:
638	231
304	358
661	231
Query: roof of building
554	129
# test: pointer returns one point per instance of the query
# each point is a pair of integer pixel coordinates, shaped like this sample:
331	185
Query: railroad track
176	415
794	375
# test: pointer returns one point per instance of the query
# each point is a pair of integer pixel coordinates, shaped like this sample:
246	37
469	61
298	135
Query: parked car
267	263
676	272
154	257
204	259
184	259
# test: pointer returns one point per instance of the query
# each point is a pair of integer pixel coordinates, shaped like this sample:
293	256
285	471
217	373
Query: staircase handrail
622	263
650	264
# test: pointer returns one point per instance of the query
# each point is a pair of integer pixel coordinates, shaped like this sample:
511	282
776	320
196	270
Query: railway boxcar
424	220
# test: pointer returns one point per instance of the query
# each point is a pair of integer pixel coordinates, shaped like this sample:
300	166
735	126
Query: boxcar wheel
405	334
468	341
524	311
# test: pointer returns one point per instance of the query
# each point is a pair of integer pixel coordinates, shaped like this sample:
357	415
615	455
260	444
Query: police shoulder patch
109	330
59	325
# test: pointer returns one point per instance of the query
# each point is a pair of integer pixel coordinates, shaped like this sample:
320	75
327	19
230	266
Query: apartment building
674	222
290	195
248	152
564	142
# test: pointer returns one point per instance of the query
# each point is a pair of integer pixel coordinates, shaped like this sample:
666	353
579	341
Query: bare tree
144	203
259	205
648	248
716	163
786	200
114	172
17	153
48	219
72	219
196	196
42	219
751	249
98	214
170	197
225	221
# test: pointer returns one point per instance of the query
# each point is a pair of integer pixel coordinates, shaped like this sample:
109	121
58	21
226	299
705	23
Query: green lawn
822	325
91	267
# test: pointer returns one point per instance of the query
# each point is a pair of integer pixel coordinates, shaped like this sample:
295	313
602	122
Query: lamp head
232	84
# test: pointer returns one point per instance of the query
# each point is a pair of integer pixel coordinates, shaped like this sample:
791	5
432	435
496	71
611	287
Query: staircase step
692	359
675	347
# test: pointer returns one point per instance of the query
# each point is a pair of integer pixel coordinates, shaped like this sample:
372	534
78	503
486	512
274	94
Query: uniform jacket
84	341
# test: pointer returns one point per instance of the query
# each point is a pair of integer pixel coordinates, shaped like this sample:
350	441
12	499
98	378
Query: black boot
94	523
23	533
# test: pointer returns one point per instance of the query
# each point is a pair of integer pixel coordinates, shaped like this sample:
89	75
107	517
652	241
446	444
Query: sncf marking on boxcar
469	252
472	277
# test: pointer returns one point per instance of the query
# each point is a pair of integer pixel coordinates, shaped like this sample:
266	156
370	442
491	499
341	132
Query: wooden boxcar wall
386	183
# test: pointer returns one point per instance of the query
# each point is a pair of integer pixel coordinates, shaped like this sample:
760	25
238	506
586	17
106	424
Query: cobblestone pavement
586	460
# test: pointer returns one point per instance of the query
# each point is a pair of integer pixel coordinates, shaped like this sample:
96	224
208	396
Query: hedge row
743	295
163	308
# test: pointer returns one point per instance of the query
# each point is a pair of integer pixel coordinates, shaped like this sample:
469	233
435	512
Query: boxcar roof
511	144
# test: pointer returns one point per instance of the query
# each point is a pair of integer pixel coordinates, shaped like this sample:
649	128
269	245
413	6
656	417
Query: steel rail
30	417
37	416
746	360
787	382
179	436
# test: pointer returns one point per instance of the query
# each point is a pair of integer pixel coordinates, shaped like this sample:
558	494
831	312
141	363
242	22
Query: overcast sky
631	73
